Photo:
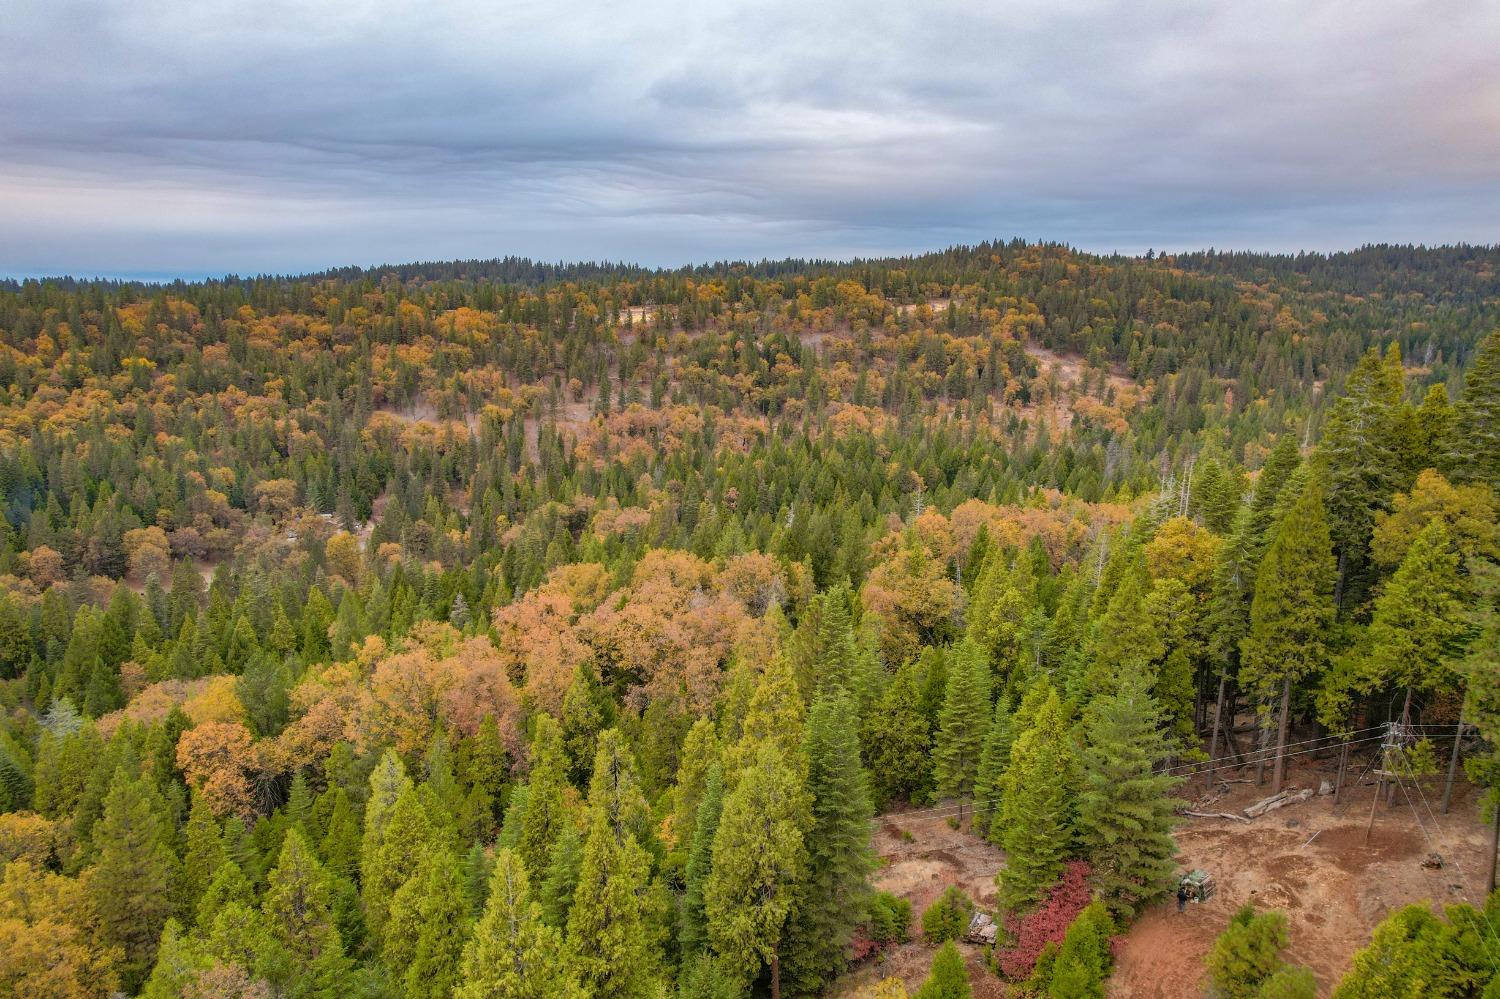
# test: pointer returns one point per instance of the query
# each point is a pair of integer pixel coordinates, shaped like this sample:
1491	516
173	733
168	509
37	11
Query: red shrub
1047	923
862	946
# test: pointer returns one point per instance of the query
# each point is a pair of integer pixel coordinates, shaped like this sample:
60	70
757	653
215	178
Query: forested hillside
500	629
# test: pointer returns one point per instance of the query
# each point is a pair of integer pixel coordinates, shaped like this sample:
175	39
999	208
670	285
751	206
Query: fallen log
1276	801
1265	804
1216	815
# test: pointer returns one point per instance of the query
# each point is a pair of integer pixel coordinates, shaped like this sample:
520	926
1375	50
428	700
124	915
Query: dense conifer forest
505	629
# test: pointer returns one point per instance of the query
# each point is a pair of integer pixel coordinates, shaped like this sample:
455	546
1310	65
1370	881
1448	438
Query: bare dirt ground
920	868
1310	861
1067	369
939	306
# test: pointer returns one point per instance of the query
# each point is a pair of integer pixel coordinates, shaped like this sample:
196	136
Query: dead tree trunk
1458	737
1494	847
1213	741
1279	778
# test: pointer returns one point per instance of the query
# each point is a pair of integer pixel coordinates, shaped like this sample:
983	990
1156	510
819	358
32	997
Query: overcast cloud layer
145	138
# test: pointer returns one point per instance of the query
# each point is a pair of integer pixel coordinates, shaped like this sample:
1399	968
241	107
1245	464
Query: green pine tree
962	723
700	753
340	848
894	738
835	892
238	934
229	884
775	714
543	817
298	911
1292	612
1436	425
1477	436
1036	809
409	835
994	760
609	922
204	854
179	961
1129	635
561	884
759	861
1360	451
692	933
427	928
1125	808
586	712
949	978
387	783
613	952
1414	953
615	789
1418	623
512	953
1083	961
1247	953
137	873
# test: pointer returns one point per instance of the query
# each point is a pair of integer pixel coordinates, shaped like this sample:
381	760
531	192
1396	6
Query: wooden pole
1385	759
1373	802
1338	782
1390	794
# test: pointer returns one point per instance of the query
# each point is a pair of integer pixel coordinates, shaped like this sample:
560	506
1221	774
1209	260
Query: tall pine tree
1359	451
1292	613
692	933
1477	438
962	722
833	896
1036	810
136	875
512	954
609	923
1125	807
759	860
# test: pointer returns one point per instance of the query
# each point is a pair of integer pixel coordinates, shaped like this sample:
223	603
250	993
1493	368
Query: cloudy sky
149	138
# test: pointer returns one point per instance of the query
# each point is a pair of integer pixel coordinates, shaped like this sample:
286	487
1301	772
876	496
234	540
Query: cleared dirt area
1313	863
1309	860
921	855
1065	373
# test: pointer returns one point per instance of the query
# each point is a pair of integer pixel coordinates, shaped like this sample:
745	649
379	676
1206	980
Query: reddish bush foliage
862	946
1045	924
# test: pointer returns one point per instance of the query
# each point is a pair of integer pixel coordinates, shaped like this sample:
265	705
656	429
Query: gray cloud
199	138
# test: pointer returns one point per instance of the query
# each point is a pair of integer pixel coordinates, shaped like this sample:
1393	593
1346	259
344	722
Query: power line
1457	866
1188	770
1269	753
958	808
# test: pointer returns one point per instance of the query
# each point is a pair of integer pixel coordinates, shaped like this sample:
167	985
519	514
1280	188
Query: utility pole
1390	745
